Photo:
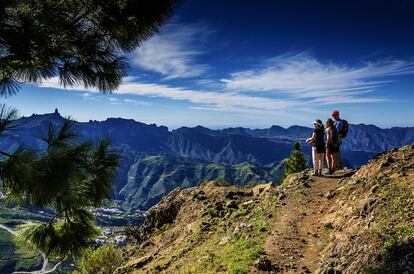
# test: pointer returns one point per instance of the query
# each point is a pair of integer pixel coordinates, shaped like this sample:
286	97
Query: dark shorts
331	149
320	149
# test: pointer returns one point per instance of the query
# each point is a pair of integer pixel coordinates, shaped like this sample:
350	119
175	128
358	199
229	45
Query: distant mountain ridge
198	145
152	177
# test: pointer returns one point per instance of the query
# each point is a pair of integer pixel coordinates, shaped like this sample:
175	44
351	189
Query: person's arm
339	125
328	136
311	139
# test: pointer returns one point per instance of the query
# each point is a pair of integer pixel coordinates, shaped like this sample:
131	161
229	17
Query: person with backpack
318	147
331	146
342	128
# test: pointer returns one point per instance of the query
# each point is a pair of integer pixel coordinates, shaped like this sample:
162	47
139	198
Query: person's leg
338	159
334	161
329	161
315	161
338	153
320	162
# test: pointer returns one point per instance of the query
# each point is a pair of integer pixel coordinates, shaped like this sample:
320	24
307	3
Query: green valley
152	177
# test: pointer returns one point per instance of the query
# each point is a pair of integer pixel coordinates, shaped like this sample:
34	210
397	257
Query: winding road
44	269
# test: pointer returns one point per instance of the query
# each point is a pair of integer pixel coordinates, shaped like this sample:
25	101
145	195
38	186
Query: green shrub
103	260
296	162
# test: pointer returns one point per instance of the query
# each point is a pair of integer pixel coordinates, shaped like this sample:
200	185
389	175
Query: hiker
318	147
331	146
342	129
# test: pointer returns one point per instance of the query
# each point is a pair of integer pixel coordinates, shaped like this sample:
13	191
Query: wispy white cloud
93	95
222	100
174	52
300	76
136	102
282	86
209	100
88	96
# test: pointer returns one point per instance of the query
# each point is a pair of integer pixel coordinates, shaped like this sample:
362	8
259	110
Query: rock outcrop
374	219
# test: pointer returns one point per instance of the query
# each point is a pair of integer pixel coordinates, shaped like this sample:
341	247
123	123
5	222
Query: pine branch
76	30
5	154
55	215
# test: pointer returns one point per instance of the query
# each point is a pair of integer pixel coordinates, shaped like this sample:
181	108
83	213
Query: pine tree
69	177
296	161
79	41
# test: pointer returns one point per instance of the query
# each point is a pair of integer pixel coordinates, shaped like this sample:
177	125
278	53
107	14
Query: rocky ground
354	222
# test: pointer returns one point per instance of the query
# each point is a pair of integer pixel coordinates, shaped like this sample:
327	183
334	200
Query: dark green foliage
296	146
7	117
64	237
296	161
68	177
65	134
79	41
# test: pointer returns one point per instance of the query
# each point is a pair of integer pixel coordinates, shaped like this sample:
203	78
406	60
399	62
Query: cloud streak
301	76
173	52
207	100
283	85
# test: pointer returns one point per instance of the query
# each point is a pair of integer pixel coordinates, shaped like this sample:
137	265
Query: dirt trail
298	235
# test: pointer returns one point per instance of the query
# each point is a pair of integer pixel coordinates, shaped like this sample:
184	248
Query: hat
318	122
335	113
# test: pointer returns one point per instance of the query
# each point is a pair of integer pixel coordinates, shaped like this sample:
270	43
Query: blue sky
256	64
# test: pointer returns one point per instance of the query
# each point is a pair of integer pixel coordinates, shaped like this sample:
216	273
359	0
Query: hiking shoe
329	172
315	173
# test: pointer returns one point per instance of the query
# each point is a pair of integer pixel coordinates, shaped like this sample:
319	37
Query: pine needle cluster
79	41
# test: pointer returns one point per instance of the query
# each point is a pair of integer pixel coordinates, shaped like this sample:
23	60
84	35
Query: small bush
295	163
105	259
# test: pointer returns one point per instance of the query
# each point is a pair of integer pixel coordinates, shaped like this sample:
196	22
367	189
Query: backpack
335	137
344	130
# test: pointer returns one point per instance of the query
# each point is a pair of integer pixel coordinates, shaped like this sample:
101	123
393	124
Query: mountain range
152	177
155	160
